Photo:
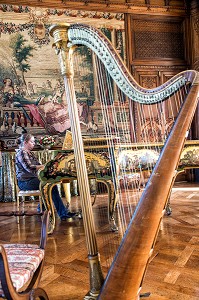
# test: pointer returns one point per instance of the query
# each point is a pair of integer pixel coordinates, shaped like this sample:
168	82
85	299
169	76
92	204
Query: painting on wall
32	95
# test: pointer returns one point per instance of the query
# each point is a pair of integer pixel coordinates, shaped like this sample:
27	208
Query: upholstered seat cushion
23	260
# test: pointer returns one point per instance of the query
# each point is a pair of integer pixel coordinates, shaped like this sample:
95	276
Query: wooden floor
172	274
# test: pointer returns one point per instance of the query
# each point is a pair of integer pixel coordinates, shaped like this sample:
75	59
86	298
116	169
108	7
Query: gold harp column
64	52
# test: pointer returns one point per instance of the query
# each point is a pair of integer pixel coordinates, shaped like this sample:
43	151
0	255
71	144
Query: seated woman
27	166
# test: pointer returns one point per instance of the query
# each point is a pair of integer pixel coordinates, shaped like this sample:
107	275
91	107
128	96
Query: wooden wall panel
147	79
156	47
160	47
156	39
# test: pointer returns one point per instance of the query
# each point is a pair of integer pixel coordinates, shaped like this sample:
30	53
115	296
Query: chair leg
23	203
18	204
66	187
41	204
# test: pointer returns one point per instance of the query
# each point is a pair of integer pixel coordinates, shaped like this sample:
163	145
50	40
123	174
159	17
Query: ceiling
122	6
100	13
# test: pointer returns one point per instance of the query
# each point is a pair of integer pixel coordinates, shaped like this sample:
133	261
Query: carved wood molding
121	6
159	67
196	24
196	64
41	14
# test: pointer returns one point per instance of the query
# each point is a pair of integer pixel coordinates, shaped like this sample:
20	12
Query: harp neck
80	34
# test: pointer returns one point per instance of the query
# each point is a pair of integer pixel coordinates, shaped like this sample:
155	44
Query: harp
125	276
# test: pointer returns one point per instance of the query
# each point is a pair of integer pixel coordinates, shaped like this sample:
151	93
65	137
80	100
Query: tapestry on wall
32	95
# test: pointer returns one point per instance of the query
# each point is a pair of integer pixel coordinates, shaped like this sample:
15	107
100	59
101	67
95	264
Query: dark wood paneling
156	48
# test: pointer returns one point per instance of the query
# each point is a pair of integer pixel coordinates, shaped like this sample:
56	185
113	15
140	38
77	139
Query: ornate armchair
21	268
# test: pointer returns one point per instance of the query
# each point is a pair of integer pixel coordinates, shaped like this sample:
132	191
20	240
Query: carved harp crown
126	274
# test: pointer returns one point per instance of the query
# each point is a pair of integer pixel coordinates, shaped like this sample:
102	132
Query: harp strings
114	109
151	127
128	125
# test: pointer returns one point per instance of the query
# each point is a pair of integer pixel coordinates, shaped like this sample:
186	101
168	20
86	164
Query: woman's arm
38	167
28	162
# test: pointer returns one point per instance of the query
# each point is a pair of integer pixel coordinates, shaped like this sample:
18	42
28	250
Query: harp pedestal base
96	277
168	210
114	227
90	297
145	295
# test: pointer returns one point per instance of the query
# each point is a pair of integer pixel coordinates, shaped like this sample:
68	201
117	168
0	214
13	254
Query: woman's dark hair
24	138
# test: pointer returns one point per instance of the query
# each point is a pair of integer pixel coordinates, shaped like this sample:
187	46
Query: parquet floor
172	273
